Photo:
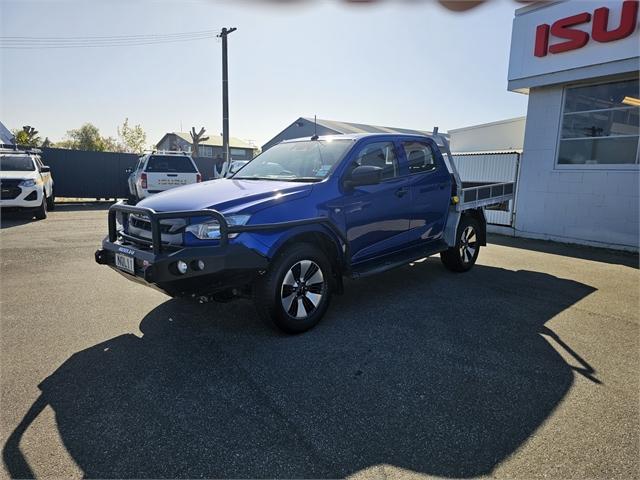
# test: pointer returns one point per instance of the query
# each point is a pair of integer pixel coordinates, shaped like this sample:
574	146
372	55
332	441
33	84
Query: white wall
598	207
503	135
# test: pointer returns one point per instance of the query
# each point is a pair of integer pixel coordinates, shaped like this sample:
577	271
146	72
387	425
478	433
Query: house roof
6	137
350	127
213	141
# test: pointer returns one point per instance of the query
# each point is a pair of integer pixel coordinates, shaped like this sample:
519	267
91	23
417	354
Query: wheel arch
322	238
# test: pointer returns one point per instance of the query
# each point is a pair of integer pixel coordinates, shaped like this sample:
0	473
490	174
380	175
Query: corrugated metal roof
350	127
216	140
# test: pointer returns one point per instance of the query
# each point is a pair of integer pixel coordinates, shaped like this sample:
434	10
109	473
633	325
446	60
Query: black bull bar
225	229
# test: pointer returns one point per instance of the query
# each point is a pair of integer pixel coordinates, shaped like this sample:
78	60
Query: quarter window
600	124
379	154
419	157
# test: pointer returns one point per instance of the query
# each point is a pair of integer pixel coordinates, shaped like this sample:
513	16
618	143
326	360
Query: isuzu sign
575	38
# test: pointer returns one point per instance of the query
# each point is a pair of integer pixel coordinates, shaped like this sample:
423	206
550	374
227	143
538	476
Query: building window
205	151
600	124
238	153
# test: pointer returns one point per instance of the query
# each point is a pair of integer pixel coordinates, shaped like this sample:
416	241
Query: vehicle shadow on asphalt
584	252
425	370
15	219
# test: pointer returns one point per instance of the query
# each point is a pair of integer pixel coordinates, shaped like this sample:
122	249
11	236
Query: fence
84	174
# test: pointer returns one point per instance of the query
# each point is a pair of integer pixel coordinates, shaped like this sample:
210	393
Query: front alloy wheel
295	291
302	289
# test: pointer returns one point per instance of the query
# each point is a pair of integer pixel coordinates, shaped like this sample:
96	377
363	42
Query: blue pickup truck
287	227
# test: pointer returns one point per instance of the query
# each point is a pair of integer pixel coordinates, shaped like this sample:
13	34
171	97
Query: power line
102	41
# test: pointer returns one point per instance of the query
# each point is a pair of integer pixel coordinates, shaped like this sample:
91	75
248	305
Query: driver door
377	217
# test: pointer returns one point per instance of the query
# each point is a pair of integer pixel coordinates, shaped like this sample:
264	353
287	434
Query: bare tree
196	138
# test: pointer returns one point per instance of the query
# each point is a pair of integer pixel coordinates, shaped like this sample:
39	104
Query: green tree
27	137
132	138
112	145
87	137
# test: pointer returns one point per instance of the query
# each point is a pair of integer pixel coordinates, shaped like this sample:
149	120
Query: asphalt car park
526	366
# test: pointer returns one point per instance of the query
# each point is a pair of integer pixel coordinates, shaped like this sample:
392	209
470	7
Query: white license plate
125	262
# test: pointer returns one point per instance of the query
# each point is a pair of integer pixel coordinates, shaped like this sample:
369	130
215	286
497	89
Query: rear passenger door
377	216
430	185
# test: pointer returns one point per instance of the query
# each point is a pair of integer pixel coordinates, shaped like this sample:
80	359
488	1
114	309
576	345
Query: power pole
225	99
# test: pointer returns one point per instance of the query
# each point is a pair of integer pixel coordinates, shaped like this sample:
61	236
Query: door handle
401	192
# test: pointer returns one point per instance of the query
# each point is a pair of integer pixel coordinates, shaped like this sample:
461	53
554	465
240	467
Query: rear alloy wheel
464	254
296	290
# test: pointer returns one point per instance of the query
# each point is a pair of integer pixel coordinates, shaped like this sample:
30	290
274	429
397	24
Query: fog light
200	265
182	267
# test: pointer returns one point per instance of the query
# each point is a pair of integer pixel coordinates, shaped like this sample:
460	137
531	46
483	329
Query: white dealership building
578	178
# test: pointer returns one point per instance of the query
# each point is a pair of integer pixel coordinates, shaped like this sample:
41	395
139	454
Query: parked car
25	183
287	227
160	171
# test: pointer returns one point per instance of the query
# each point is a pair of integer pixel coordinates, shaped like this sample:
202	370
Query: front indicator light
182	267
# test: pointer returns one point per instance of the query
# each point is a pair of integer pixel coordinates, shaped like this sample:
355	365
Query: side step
388	262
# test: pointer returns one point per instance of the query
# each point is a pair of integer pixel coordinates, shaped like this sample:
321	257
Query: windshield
17	163
308	161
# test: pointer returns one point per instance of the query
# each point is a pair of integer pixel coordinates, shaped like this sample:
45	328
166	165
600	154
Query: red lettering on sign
542	40
629	17
576	38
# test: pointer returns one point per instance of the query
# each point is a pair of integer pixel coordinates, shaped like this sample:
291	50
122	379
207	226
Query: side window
379	154
140	164
419	157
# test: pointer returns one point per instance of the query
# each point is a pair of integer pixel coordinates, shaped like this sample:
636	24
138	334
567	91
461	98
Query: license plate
125	262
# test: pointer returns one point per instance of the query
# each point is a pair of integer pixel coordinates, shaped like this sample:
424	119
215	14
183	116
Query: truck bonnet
226	195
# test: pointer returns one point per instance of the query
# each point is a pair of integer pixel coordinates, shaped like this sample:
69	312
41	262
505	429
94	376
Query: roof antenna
315	129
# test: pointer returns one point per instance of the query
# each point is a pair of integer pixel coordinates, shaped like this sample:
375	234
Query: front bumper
29	197
224	266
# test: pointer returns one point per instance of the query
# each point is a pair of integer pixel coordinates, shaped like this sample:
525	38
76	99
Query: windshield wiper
254	178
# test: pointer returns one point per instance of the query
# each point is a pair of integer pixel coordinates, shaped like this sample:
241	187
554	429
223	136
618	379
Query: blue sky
408	64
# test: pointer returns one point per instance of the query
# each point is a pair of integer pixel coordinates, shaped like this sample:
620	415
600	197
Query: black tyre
296	290
41	211
465	253
51	201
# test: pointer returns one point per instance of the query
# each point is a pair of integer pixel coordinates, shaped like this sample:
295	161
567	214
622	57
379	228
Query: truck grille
9	189
170	230
146	225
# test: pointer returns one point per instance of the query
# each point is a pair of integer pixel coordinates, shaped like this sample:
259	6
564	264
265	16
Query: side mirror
364	175
45	169
128	170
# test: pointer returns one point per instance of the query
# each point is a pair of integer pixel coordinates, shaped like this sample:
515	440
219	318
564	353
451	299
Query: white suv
159	171
25	183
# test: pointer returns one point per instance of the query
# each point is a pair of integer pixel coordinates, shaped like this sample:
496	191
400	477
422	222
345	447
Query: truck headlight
211	230
29	182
